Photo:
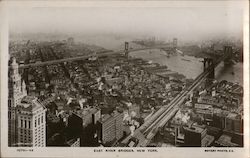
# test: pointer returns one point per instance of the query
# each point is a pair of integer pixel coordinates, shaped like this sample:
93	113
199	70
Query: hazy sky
161	22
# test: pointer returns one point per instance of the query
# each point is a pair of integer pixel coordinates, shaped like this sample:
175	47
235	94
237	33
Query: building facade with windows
26	115
111	127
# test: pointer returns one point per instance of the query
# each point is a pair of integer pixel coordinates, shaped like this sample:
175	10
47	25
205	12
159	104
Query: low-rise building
225	141
75	142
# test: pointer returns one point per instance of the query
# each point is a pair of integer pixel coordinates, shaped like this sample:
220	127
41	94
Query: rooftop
233	116
30	103
225	140
83	113
72	141
207	140
203	106
196	129
106	117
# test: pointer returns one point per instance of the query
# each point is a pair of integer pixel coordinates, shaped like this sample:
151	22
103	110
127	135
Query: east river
190	66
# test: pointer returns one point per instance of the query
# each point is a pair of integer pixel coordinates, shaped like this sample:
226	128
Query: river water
190	66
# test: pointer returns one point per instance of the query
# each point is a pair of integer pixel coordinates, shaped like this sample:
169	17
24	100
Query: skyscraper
111	127
31	124
196	136
26	115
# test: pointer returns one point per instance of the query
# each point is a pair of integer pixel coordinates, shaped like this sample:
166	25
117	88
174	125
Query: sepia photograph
123	78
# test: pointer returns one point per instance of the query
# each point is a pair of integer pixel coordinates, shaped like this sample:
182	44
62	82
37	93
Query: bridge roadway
87	56
147	131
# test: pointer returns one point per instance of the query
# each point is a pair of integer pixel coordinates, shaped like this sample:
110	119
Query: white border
89	152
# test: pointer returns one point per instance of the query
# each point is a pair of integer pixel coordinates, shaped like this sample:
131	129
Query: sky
182	22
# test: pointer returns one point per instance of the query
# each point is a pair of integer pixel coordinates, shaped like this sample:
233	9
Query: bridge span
98	54
148	130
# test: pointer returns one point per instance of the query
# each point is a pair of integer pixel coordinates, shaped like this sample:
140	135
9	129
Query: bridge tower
175	41
208	63
228	54
126	49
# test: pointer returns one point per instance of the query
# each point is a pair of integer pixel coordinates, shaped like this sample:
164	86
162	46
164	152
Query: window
25	124
21	123
42	119
38	121
9	102
35	123
29	124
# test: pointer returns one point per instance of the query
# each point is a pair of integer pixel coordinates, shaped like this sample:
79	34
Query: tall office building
234	123
31	124
16	92
26	115
111	127
196	136
82	124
